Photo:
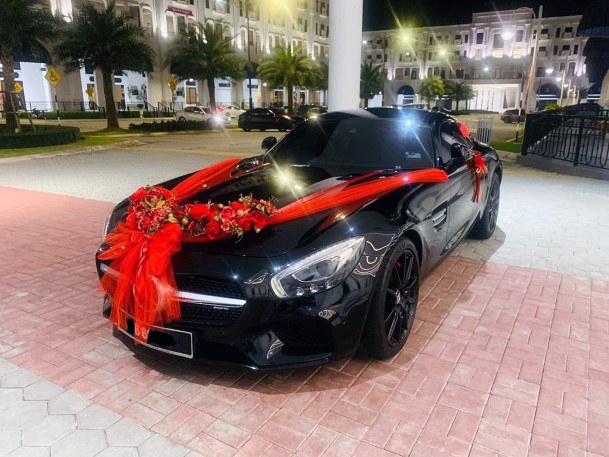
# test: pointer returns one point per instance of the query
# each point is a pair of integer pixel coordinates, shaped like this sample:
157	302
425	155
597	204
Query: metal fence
582	139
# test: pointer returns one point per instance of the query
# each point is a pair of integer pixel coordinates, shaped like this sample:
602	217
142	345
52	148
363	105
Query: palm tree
431	87
108	41
458	91
286	67
318	77
372	80
25	27
204	52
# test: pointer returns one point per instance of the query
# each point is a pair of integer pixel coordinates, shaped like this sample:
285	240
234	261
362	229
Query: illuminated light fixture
558	78
442	52
389	76
565	85
405	37
486	69
364	42
268	50
507	35
264	84
579	73
549	71
164	34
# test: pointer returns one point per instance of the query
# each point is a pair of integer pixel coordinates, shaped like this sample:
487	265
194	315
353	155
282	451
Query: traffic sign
18	87
53	76
172	82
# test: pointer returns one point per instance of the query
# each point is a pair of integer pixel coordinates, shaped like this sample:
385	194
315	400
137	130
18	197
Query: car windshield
357	143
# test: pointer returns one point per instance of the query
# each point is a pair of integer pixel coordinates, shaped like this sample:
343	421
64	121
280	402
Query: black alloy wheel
485	226
393	303
401	298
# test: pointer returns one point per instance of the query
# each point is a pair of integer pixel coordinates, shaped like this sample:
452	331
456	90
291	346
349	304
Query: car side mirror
249	163
269	142
457	152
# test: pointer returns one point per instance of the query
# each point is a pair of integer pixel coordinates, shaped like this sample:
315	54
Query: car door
461	209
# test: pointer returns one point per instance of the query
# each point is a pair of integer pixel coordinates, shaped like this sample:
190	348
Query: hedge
133	114
169	126
42	136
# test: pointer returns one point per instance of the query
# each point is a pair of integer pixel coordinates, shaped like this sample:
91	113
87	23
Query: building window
479	37
566	47
555	51
557	32
457	37
467	38
431	41
414	74
399	73
575	49
401	58
540	71
406	72
498	41
545	32
568	29
459	73
519	36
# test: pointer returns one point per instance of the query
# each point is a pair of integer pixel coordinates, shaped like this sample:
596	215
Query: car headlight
319	271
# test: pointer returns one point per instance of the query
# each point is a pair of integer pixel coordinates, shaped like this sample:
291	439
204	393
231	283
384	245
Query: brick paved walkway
504	360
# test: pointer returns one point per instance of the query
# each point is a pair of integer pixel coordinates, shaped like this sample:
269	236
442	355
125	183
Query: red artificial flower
213	229
238	206
246	223
258	219
139	194
227	213
199	212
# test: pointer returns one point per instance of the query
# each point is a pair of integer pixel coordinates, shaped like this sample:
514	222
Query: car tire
393	303
484	228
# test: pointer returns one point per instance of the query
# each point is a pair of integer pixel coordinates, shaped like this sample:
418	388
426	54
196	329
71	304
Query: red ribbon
141	281
477	166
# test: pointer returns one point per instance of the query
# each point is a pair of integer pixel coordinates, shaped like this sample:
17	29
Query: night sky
380	14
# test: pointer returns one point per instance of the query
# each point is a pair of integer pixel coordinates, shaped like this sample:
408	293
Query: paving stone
127	433
158	445
22	414
18	378
42	390
96	417
67	403
7	367
49	430
80	443
10	396
116	451
24	451
9	441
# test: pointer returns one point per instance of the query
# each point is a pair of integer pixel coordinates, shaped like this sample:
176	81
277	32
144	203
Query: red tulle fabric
141	281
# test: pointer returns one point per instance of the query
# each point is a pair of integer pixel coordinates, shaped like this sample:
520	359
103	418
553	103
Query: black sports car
315	289
266	119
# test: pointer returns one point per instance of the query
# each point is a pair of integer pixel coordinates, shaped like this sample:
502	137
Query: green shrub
169	126
42	136
551	107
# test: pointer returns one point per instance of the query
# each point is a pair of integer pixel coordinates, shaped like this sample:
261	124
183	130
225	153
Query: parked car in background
266	119
308	111
511	115
198	113
233	111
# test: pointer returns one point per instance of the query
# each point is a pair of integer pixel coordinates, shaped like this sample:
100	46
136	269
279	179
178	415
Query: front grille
304	336
209	287
208	315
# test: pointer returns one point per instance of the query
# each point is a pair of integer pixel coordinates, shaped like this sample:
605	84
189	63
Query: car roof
382	113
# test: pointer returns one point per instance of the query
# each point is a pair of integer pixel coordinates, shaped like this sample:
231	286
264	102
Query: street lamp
249	54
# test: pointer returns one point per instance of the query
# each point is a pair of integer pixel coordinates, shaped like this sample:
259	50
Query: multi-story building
259	24
494	54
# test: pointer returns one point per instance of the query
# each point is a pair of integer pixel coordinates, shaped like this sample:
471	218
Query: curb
509	157
67	152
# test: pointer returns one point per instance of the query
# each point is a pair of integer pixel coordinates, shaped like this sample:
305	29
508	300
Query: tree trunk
9	86
290	99
111	114
211	87
458	100
366	101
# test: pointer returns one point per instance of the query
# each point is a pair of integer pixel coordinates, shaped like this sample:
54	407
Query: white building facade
270	22
494	54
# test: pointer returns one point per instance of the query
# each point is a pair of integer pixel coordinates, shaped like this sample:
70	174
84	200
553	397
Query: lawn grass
509	146
99	138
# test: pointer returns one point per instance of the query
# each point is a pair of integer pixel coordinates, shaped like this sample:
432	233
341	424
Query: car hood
283	185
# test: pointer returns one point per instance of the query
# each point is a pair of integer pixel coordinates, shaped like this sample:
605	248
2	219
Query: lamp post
507	35
249	54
